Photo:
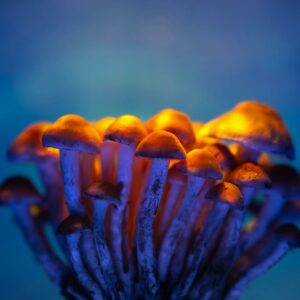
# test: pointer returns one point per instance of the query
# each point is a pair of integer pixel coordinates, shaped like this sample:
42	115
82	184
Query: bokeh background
99	58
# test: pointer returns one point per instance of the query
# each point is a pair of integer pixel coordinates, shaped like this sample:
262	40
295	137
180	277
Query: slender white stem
104	256
177	226
82	274
145	228
71	176
35	237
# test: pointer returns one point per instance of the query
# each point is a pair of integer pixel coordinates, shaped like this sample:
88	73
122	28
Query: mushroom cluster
162	209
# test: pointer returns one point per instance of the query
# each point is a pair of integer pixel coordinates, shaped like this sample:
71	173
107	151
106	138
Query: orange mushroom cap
102	124
254	125
175	122
201	163
28	146
127	129
72	132
161	144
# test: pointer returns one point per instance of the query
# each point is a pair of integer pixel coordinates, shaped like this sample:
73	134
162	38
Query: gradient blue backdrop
99	58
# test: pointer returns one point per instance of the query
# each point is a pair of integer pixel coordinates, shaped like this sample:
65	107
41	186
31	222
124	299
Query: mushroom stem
38	243
271	209
145	227
175	230
255	270
245	154
74	241
71	176
118	217
225	256
90	258
168	210
107	157
49	172
105	259
197	253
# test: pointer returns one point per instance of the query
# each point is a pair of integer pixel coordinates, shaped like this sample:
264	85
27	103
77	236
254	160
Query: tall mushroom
127	131
72	134
200	165
160	146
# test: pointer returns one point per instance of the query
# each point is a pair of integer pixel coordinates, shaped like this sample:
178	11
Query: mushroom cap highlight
201	163
28	147
175	122
102	190
127	129
226	192
290	233
102	124
254	125
161	144
72	224
18	189
72	132
250	175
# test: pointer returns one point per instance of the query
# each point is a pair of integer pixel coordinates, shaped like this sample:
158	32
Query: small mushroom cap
222	154
226	192
161	144
102	190
254	125
72	224
72	132
28	147
250	175
127	129
175	122
289	233
18	189
201	163
102	124
284	178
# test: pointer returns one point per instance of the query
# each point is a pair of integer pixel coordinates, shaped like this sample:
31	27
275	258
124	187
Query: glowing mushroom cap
72	132
127	129
222	154
289	233
254	125
226	192
160	144
102	124
250	175
103	191
201	163
28	146
175	122
18	189
72	224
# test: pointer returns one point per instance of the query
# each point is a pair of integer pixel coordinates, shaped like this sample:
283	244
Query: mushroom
160	146
19	194
72	229
287	237
127	131
255	126
200	164
27	147
103	195
175	122
283	178
224	195
72	134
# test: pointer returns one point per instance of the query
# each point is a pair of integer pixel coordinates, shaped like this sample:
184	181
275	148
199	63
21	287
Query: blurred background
100	58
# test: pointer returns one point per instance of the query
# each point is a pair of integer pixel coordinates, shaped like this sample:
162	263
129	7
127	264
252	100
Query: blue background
99	58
